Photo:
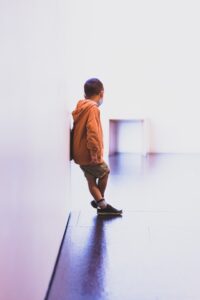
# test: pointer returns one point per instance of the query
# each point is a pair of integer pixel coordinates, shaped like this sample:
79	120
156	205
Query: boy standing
88	145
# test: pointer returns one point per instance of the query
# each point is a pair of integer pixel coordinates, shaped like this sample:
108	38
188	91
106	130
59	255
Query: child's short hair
93	87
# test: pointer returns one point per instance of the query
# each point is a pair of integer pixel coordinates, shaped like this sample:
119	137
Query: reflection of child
88	144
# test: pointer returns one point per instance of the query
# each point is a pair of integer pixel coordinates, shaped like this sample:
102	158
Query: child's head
93	87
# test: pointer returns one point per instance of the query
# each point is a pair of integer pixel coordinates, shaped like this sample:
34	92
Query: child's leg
102	183
97	192
93	188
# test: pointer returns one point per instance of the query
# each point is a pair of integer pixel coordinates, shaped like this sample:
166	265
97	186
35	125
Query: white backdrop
147	55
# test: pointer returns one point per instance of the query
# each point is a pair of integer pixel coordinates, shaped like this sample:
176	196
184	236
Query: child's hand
94	159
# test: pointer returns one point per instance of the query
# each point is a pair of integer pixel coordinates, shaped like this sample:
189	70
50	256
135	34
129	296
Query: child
88	145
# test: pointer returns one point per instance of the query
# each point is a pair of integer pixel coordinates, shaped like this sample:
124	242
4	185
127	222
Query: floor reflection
95	260
141	255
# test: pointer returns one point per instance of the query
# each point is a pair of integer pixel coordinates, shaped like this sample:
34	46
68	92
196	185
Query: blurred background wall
147	55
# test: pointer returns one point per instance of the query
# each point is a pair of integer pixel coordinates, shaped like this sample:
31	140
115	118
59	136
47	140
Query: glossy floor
152	251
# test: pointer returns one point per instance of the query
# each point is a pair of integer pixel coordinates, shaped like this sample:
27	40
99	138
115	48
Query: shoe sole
109	213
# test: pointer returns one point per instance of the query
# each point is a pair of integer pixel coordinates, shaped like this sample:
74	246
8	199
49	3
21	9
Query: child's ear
101	94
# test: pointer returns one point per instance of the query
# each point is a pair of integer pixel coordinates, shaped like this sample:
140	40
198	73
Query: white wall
147	55
34	166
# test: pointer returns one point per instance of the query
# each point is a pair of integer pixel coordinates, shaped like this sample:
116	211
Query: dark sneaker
94	204
109	210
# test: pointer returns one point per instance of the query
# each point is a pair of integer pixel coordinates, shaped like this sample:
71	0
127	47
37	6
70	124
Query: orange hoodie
88	135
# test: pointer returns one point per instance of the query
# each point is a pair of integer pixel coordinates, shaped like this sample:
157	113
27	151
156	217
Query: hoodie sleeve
93	127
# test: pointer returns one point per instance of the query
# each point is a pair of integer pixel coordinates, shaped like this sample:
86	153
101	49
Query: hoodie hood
82	108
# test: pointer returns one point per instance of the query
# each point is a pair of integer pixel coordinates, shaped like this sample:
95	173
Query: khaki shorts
97	171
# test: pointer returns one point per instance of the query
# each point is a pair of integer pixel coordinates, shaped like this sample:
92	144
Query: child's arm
93	135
